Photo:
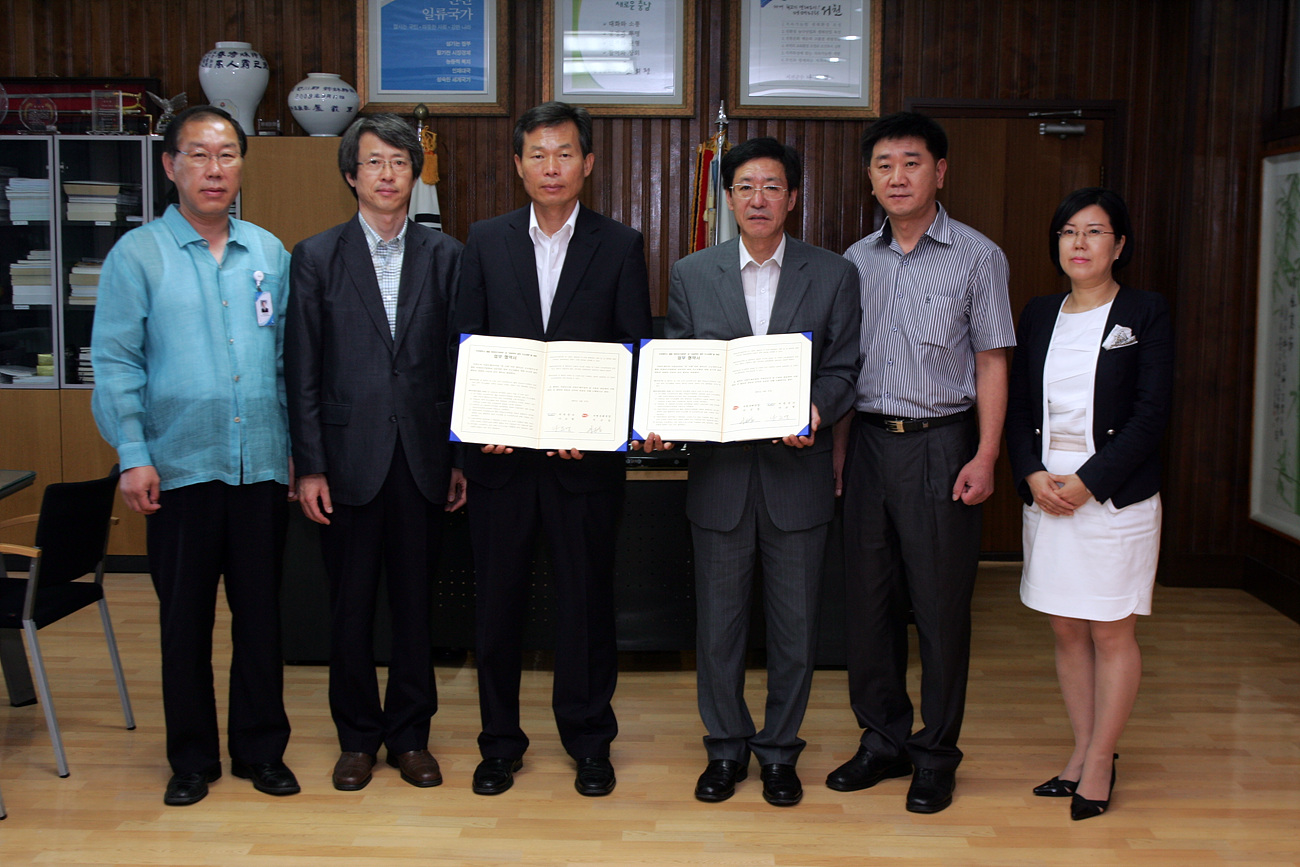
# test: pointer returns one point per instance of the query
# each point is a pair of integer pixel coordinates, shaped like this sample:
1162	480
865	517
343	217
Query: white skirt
1096	564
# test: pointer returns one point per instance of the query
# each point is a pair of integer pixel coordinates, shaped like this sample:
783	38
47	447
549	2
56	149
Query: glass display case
66	201
104	192
28	260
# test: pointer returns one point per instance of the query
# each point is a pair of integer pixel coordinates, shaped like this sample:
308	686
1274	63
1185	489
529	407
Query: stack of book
21	374
29	199
85	371
32	280
83	282
100	201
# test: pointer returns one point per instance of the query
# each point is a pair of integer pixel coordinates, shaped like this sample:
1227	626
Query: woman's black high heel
1082	808
1056	788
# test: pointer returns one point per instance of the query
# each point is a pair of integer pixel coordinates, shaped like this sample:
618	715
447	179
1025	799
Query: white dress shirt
759	283
550	251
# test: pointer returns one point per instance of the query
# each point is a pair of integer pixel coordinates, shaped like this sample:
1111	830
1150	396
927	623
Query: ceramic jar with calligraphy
234	77
323	104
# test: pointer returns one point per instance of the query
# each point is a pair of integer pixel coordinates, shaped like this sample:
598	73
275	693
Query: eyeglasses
399	165
747	191
1088	234
200	159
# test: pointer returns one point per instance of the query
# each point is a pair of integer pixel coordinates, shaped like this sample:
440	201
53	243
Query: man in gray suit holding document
763	499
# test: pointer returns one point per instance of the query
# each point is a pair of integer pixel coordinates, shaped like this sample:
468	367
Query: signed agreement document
538	395
724	390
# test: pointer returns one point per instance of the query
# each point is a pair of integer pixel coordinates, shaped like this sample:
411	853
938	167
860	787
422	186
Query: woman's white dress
1100	562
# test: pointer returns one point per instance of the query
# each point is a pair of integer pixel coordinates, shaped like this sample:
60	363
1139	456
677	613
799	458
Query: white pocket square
1120	335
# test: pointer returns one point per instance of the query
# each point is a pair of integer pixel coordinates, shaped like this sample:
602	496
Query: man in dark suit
770	500
367	366
549	271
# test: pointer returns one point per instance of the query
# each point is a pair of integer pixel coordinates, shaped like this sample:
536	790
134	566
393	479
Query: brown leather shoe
419	768
352	771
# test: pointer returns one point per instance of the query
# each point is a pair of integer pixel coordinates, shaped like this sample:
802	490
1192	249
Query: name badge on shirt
265	308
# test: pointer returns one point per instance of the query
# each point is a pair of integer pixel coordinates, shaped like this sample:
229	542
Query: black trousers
907	543
580	530
401	530
200	533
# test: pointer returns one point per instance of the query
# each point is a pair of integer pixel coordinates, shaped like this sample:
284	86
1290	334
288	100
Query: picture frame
1275	442
594	61
784	67
450	55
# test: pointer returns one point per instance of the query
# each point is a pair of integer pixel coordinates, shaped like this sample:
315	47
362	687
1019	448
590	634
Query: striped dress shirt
387	259
924	316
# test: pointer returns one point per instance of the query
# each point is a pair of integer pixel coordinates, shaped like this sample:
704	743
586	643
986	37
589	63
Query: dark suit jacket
1130	402
602	296
353	386
817	292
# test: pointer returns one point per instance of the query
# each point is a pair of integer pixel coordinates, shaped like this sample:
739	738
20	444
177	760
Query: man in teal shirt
187	349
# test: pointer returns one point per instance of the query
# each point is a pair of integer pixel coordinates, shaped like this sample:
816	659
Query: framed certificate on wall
447	54
622	57
800	58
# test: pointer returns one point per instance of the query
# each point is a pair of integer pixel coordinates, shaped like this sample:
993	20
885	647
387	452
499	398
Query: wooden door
1005	179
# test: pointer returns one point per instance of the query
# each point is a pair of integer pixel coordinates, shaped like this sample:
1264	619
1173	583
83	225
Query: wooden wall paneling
1192	100
30	442
292	187
87	456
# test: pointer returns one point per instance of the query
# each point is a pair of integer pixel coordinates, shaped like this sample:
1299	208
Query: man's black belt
912	425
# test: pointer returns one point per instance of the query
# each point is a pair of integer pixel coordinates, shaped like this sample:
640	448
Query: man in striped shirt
918	460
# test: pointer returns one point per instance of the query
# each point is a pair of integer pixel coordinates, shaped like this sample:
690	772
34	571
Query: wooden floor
1209	774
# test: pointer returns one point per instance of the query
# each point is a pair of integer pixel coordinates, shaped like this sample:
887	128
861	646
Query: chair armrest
20	550
21	519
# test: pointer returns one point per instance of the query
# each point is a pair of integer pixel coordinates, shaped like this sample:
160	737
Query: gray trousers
724	584
908	544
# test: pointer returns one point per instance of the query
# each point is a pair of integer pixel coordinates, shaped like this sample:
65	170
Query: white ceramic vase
323	104
234	77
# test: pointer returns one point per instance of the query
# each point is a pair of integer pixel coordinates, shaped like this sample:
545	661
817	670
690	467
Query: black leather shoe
931	790
781	786
1082	808
595	777
1056	788
494	776
866	769
273	778
186	789
718	782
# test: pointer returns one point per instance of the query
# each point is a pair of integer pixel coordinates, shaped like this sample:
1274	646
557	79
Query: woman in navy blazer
1089	400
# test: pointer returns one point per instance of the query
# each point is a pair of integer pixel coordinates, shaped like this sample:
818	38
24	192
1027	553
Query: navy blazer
817	292
1130	402
352	385
602	295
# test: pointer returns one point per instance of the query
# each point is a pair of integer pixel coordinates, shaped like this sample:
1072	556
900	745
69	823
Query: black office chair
71	539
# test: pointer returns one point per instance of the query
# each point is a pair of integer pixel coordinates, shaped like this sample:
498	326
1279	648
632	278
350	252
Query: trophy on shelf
169	108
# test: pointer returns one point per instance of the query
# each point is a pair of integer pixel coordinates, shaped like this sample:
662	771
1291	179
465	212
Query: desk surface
14	480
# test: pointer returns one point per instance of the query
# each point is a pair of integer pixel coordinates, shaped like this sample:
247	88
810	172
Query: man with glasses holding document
768	500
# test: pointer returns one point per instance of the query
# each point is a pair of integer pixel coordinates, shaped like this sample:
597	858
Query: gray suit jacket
818	292
352	385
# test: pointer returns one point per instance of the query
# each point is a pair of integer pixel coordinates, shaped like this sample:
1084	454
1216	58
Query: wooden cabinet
292	187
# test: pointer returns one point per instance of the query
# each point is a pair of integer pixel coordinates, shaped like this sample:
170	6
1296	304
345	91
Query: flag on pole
712	221
424	197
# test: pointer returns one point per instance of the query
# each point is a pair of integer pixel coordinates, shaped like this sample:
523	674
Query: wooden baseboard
1271	586
1201	570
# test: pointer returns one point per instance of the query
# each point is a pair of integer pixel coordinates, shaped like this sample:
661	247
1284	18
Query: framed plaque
1275	452
800	58
622	57
448	54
